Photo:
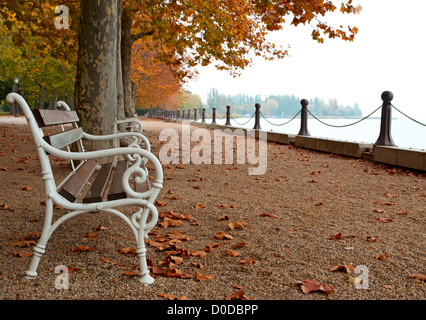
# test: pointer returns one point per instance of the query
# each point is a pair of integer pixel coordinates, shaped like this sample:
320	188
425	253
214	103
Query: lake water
405	132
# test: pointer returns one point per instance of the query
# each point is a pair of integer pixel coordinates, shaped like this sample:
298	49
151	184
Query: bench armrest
120	135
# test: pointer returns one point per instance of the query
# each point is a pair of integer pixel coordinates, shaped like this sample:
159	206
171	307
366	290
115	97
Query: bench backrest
59	129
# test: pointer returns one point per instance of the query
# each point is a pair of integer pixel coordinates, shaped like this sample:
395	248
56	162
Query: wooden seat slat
47	118
73	187
98	188
65	138
116	190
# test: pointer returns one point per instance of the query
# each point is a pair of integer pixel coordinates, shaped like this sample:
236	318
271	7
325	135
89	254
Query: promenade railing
384	139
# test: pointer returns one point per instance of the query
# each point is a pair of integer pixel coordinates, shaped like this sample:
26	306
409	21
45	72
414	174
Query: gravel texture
307	198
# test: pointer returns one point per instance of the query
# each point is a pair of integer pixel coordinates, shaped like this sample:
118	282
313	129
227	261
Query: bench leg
145	277
40	248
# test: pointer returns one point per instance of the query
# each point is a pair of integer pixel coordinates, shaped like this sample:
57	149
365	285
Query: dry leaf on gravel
203	277
22	254
223	236
381	256
309	285
384	219
167	296
237	225
268	215
346	268
239	295
421	277
232	253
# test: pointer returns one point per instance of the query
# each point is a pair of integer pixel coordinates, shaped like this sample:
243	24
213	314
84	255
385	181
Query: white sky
389	53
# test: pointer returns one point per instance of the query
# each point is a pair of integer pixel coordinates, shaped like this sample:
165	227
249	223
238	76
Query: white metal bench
127	177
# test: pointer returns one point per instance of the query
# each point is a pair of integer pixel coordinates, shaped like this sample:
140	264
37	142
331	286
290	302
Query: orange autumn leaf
4	169
168	296
130	273
338	236
239	245
4	206
23	243
310	285
223	236
248	261
22	254
128	250
160	203
222	205
384	219
239	295
237	225
203	277
26	188
381	256
199	206
372	239
170	223
421	277
232	253
268	215
346	268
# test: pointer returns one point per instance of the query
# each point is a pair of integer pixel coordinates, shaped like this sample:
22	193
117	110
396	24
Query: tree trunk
41	96
55	99
126	61
120	93
96	84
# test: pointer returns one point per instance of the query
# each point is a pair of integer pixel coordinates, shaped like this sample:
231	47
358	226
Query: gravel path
309	212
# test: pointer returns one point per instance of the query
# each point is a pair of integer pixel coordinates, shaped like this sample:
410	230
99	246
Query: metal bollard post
228	116
183	113
385	137
304	119
214	116
195	114
203	117
188	115
257	117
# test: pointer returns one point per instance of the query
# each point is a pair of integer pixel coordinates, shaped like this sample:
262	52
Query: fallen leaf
170	223
239	295
232	253
4	169
26	188
23	243
199	253
347	268
248	261
130	273
237	225
222	235
391	195
417	276
5	207
222	206
239	245
338	236
384	219
160	203
309	285
199	206
379	210
92	235
168	296
30	236
22	254
203	277
381	256
315	173
268	215
221	218
128	250
372	239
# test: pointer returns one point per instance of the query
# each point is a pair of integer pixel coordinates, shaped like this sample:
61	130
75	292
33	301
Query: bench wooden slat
73	187
46	118
98	188
65	138
116	191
